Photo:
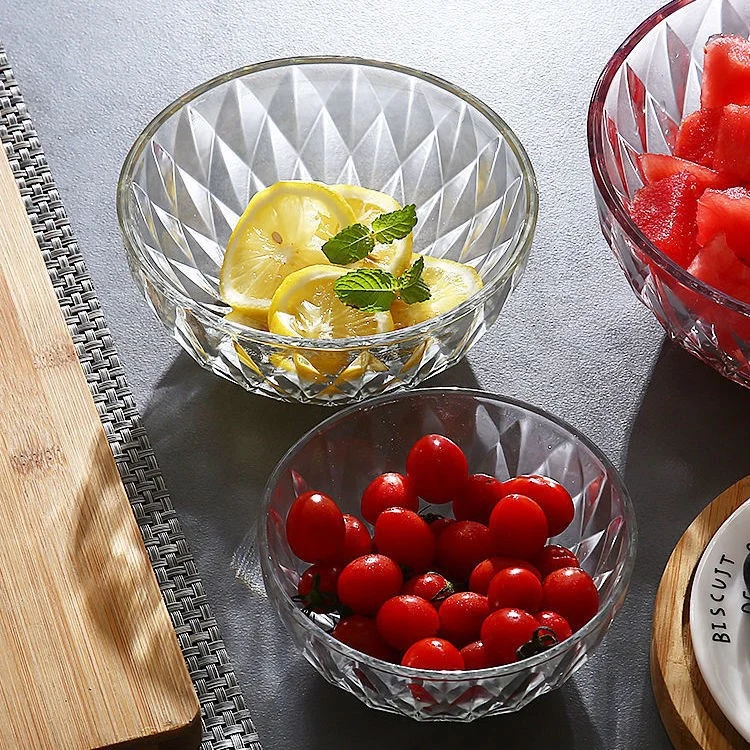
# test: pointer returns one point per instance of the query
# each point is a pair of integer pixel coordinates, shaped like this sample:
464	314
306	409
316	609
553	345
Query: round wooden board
690	715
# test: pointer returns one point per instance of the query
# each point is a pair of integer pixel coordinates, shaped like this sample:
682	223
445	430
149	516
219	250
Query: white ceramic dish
720	619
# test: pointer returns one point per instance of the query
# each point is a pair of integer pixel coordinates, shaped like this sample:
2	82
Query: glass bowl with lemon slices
327	229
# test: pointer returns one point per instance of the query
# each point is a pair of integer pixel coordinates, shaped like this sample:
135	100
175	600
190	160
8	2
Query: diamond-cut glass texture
189	179
500	438
654	86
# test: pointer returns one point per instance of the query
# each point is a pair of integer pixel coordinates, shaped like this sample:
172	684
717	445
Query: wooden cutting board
88	655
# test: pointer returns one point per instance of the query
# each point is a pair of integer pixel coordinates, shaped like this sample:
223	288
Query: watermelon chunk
718	266
725	212
665	212
658	166
732	151
697	135
726	71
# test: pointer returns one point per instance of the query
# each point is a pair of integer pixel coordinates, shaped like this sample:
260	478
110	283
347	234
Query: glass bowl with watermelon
669	144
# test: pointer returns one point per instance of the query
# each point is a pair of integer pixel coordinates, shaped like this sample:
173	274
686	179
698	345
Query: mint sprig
357	241
374	290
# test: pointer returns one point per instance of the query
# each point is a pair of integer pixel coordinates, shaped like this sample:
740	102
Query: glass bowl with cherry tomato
446	553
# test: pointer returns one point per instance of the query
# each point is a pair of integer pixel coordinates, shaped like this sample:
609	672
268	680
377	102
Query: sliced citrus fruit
257	321
281	231
450	284
305	305
367	205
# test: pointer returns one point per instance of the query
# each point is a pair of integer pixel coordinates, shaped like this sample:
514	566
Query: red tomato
317	588
480	577
551	496
504	632
554	557
388	490
406	619
475	656
357	540
461	617
433	653
439	525
572	593
515	588
365	583
556	623
476	498
461	547
361	633
437	467
431	586
518	527
406	538
315	528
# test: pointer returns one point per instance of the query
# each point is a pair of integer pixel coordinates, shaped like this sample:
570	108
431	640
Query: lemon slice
450	284
306	306
281	231
367	205
259	322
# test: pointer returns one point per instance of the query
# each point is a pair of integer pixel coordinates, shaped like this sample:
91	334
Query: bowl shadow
682	451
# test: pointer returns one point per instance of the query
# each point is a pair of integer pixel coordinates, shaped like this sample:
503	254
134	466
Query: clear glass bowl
651	83
189	176
501	437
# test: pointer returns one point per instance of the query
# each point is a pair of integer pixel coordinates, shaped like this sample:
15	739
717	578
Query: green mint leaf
411	286
368	289
349	245
395	225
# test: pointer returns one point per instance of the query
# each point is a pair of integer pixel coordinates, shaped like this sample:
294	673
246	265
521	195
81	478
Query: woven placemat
226	721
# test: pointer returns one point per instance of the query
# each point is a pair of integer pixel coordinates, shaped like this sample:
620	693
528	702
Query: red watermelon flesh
718	266
732	151
696	137
665	212
658	166
726	71
726	212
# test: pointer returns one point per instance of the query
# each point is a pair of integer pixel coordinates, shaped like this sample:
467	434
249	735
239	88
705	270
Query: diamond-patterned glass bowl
501	437
651	83
189	176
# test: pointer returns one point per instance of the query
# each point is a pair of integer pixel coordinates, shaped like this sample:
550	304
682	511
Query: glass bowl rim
514	256
619	587
598	167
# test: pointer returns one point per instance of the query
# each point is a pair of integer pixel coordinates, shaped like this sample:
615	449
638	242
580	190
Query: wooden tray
88	654
690	715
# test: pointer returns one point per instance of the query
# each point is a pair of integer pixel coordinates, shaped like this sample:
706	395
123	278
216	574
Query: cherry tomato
475	656
551	496
439	525
361	633
504	632
365	583
553	557
315	528
485	571
461	547
433	653
518	527
461	617
572	593
317	588
434	587
437	467
357	540
476	498
406	619
556	623
406	538
516	588
388	490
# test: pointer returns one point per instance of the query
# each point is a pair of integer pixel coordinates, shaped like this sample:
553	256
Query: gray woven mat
226	722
